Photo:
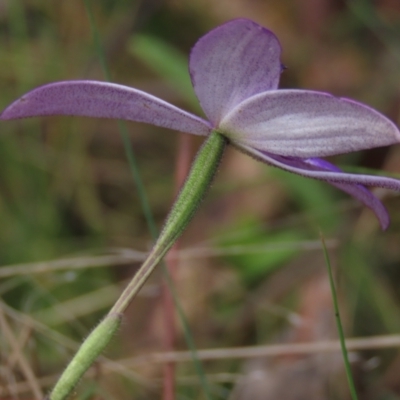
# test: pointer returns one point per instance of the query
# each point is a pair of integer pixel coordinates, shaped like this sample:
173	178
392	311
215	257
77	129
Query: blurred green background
251	269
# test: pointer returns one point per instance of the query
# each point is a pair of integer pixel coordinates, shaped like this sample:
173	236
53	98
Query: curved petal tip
104	100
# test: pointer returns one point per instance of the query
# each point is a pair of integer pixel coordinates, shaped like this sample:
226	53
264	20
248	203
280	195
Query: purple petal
302	123
357	191
104	100
231	63
323	170
368	199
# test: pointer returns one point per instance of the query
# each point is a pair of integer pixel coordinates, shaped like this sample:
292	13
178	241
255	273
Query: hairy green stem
90	349
195	187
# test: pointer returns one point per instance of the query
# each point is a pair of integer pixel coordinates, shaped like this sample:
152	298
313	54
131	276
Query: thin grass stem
133	166
339	325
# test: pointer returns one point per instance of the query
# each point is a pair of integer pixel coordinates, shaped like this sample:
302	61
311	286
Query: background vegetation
251	270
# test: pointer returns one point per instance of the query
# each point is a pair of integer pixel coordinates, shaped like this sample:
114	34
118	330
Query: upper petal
303	123
231	63
105	100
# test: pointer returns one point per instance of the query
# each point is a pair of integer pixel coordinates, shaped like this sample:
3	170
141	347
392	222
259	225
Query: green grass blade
349	374
123	130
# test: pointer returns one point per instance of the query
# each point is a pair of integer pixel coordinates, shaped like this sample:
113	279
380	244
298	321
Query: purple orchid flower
235	72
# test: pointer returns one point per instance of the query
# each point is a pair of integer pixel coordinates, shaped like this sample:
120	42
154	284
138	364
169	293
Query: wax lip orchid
235	71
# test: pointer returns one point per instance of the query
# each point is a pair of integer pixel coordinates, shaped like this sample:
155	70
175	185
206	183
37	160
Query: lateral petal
303	123
104	100
231	63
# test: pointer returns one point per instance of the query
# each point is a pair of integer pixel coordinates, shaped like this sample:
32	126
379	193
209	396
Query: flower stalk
195	187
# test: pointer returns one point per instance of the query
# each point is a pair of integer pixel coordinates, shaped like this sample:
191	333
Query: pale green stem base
197	183
94	344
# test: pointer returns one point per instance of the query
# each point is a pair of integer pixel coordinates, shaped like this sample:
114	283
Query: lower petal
368	199
350	183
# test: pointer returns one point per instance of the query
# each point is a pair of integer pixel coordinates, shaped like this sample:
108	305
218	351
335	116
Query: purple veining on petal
231	63
303	123
323	170
104	100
